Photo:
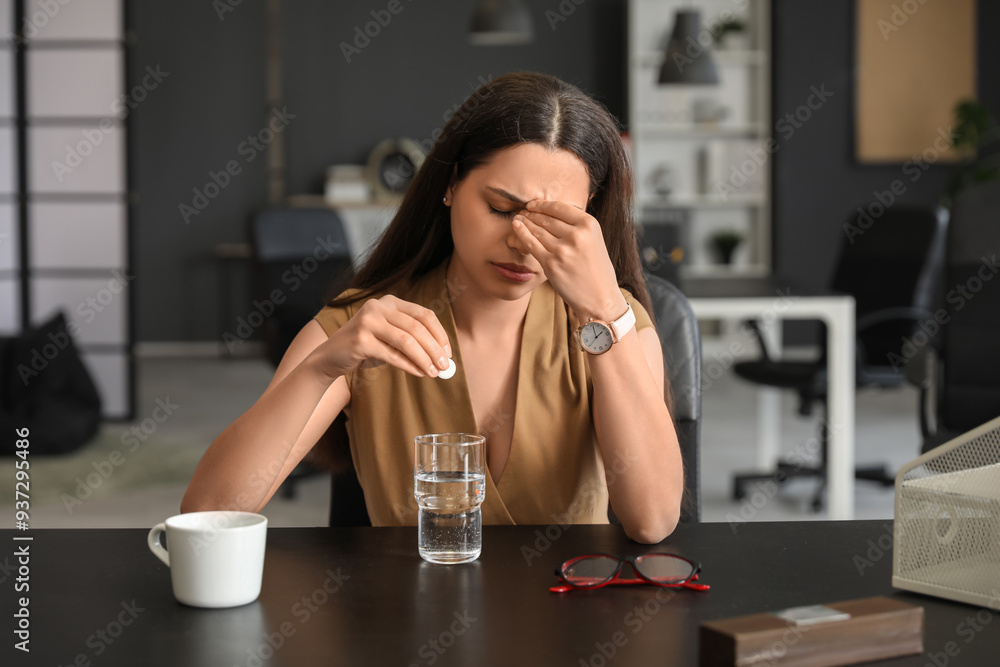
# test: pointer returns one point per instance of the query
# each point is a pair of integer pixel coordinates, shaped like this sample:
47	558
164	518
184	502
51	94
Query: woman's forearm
638	442
247	461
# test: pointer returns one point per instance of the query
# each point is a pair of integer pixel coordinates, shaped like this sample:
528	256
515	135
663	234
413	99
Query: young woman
513	254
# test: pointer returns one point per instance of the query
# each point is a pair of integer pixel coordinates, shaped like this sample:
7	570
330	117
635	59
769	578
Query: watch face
595	337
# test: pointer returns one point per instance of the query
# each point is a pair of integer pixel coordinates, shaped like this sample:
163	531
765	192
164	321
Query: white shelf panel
724	57
9	243
724	271
699	131
704	201
719	173
77	20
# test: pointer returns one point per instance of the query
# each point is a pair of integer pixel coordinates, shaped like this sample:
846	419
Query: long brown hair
521	107
516	108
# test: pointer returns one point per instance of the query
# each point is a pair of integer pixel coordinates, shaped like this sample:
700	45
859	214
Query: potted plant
725	243
975	129
730	34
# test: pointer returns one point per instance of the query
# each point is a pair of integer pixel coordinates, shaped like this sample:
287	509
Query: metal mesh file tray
947	528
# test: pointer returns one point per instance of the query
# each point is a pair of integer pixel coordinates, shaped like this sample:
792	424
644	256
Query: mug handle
154	543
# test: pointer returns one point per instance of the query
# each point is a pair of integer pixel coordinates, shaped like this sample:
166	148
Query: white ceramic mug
216	559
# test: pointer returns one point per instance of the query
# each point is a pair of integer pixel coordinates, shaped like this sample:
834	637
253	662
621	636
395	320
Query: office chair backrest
680	339
969	394
302	255
892	262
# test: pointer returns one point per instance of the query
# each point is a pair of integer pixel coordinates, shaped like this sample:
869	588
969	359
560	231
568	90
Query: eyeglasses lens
664	569
590	570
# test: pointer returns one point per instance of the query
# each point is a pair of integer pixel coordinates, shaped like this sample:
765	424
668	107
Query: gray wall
401	84
818	185
404	82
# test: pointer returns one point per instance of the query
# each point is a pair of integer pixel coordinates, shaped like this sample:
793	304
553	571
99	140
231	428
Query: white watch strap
623	324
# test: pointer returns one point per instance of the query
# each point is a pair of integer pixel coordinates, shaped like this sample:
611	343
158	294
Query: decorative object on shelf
706	110
730	34
712	161
347	184
663	180
975	130
661	235
725	243
686	61
501	23
391	168
711	137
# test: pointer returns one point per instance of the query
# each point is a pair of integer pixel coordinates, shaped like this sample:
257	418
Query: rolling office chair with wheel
958	371
892	270
301	259
680	339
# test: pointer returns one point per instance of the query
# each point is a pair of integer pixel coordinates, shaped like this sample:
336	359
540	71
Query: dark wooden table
362	596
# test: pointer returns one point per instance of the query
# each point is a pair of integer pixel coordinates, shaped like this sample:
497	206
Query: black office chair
958	370
302	258
681	341
891	268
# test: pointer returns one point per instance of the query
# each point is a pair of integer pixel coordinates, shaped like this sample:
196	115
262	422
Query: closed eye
502	214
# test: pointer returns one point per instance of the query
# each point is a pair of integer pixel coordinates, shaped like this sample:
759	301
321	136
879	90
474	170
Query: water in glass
450	522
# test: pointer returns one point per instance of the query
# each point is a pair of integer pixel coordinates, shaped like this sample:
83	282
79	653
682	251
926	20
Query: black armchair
958	366
680	339
891	267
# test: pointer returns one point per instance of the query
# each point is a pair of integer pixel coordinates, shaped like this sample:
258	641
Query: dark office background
403	84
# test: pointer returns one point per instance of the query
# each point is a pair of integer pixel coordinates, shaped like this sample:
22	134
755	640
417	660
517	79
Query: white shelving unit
719	172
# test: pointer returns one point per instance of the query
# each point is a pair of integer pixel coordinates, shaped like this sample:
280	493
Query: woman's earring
444	199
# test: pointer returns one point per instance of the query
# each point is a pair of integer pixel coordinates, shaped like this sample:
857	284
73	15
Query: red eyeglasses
597	570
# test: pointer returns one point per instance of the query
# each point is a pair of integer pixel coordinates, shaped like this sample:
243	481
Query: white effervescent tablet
448	372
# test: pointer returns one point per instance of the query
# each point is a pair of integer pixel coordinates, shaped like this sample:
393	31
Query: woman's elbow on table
653	530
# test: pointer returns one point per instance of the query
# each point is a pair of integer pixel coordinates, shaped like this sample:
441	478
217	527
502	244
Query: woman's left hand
569	245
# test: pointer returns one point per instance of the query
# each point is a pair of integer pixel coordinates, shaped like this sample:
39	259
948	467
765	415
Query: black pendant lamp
686	60
501	22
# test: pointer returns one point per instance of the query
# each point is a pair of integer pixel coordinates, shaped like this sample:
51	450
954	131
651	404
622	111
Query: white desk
769	300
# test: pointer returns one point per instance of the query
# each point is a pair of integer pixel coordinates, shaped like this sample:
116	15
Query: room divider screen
64	183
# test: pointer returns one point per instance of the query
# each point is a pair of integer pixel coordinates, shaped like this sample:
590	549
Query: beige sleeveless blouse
554	471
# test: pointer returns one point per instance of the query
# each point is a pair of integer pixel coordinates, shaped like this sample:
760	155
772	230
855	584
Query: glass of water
449	485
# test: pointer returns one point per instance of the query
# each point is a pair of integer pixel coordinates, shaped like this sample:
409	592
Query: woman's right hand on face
387	330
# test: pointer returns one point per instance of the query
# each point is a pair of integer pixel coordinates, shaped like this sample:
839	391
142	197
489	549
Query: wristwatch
597	337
